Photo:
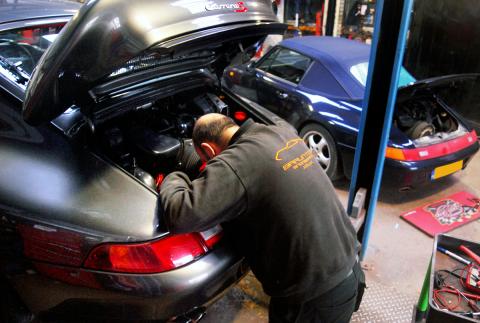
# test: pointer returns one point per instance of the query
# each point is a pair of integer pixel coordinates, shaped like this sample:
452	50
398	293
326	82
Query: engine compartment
154	139
425	121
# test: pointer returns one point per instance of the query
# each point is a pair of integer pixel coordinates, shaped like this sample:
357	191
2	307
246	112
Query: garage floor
396	261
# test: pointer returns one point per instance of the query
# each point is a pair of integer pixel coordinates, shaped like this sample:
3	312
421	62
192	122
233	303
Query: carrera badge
238	6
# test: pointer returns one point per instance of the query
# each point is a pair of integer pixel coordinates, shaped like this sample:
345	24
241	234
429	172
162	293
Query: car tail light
395	153
154	256
433	151
148	257
212	236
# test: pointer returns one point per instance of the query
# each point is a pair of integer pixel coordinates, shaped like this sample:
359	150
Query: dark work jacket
277	204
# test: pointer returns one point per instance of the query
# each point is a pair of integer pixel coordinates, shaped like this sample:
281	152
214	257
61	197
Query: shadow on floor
245	303
392	195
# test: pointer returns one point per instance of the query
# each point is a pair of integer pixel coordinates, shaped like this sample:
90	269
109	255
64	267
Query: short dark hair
212	130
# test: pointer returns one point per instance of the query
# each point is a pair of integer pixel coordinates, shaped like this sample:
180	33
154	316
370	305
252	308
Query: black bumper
415	173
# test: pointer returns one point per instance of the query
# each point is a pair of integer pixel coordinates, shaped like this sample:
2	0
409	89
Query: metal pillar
391	25
330	6
297	12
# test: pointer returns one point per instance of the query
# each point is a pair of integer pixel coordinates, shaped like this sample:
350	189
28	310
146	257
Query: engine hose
188	160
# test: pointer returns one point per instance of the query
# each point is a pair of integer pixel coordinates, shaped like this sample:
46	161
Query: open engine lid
105	34
434	84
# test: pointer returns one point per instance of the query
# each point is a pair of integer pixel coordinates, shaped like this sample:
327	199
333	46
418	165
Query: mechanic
280	209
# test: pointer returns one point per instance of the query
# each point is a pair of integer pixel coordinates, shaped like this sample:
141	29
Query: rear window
360	72
20	50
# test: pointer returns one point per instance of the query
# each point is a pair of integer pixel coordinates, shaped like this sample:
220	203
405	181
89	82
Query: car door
278	76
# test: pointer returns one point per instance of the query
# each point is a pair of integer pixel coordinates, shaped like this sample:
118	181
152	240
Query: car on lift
97	105
317	84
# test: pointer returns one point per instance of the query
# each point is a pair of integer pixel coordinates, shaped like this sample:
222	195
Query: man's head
211	134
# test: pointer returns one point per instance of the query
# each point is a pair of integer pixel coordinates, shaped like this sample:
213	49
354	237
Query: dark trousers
336	305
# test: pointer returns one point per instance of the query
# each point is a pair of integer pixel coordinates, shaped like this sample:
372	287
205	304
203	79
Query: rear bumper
135	297
415	173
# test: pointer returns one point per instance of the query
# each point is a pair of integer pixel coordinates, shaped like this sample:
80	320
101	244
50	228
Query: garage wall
444	38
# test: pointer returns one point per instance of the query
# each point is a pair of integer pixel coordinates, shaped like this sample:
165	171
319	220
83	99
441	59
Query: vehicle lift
392	21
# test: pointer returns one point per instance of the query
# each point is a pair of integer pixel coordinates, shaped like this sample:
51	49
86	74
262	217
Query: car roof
337	50
18	10
337	55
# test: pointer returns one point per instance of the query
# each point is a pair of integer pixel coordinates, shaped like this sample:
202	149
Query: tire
323	146
420	129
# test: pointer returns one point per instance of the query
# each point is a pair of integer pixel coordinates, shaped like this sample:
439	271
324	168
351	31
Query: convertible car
317	84
97	105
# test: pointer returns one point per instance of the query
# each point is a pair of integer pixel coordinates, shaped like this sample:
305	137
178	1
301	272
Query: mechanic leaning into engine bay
279	208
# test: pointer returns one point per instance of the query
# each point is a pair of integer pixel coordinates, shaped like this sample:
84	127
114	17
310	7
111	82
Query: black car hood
106	34
434	84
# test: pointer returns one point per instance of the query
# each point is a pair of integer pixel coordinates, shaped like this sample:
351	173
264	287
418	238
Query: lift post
391	25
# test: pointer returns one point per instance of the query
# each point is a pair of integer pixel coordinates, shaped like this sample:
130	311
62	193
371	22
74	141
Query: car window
266	62
289	65
360	71
20	50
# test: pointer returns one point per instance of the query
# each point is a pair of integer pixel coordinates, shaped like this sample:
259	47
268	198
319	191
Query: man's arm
216	196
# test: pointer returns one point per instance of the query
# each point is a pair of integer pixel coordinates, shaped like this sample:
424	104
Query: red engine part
159	180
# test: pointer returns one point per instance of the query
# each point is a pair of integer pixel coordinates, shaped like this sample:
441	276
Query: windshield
360	71
20	50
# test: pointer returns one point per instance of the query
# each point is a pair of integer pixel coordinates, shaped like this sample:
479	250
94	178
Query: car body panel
104	35
52	180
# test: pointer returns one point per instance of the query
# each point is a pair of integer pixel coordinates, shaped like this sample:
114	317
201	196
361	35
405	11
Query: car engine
424	118
155	138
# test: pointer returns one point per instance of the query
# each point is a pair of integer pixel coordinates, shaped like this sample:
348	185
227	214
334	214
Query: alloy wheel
319	146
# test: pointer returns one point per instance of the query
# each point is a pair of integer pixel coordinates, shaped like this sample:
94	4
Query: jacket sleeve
216	196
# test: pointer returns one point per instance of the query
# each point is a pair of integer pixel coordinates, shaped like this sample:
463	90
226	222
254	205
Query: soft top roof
337	55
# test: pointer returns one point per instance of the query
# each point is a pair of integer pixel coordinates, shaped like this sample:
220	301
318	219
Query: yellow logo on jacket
302	161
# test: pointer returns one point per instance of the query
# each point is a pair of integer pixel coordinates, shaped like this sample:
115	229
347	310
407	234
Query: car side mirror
250	66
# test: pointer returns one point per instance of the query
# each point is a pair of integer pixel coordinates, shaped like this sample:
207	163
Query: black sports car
110	93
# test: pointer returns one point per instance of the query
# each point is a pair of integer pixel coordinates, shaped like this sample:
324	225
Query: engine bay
425	121
154	139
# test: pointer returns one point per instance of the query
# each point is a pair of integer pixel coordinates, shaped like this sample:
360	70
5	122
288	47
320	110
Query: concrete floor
396	260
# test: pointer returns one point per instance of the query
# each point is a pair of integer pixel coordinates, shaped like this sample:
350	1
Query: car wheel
319	140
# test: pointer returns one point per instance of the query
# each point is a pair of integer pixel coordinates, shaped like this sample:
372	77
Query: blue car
317	84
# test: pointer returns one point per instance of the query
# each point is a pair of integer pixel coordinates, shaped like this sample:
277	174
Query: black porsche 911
97	105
